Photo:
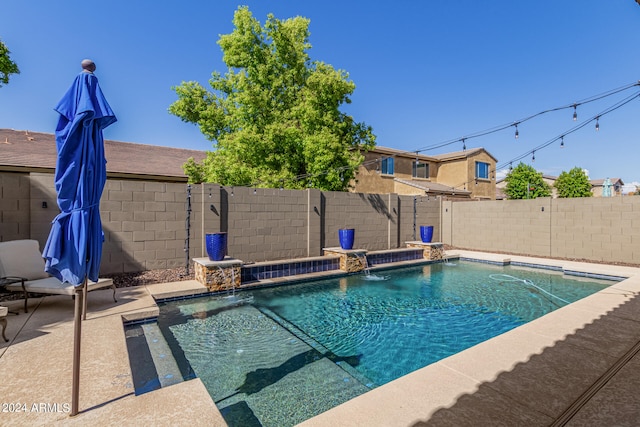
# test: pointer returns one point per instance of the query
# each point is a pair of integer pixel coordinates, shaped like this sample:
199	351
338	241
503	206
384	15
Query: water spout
363	262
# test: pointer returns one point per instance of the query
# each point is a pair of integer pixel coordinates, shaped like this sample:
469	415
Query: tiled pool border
309	277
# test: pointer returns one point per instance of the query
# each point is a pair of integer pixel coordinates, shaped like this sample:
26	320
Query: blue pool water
277	356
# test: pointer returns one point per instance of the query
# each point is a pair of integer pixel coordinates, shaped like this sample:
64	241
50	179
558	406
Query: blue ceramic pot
346	236
426	233
216	246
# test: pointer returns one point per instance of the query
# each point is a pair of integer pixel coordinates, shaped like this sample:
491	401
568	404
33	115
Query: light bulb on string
517	133
533	157
417	160
597	123
575	112
231	191
510	166
562	142
464	145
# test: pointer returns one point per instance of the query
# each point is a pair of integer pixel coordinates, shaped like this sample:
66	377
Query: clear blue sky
425	71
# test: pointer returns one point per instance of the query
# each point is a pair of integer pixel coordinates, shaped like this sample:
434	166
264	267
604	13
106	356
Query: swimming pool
278	356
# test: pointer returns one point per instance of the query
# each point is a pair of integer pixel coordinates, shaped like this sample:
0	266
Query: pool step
166	366
295	331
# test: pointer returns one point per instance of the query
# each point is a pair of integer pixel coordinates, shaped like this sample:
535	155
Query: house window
386	168
482	170
420	169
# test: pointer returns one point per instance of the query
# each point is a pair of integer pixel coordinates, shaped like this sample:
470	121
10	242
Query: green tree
7	66
574	183
274	115
523	176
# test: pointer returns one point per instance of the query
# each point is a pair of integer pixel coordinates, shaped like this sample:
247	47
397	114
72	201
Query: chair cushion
22	258
53	286
3	311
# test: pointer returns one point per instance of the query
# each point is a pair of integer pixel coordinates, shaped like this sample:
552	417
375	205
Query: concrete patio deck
577	366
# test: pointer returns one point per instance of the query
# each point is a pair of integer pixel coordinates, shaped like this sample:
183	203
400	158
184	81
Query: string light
562	141
576	128
608	110
232	191
464	145
575	112
533	158
417	160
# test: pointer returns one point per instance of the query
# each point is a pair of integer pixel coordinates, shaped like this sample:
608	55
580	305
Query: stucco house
468	174
597	186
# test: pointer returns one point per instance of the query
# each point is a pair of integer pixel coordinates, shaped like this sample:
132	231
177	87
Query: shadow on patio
590	377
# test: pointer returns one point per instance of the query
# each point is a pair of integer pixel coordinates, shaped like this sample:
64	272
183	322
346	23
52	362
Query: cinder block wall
263	224
42	190
144	225
374	217
603	229
145	222
600	229
427	212
15	197
518	226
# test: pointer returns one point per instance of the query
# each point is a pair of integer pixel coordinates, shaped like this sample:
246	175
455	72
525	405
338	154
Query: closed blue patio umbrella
74	248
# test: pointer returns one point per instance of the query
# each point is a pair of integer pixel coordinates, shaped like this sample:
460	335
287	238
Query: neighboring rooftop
432	187
23	150
462	154
600	182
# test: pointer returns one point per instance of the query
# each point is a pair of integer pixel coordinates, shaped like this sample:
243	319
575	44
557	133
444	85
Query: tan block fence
593	228
145	222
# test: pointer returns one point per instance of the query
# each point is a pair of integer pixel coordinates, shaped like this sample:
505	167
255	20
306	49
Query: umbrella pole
85	290
77	335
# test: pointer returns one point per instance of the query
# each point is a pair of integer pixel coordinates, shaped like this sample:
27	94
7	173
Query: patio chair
3	320
22	270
